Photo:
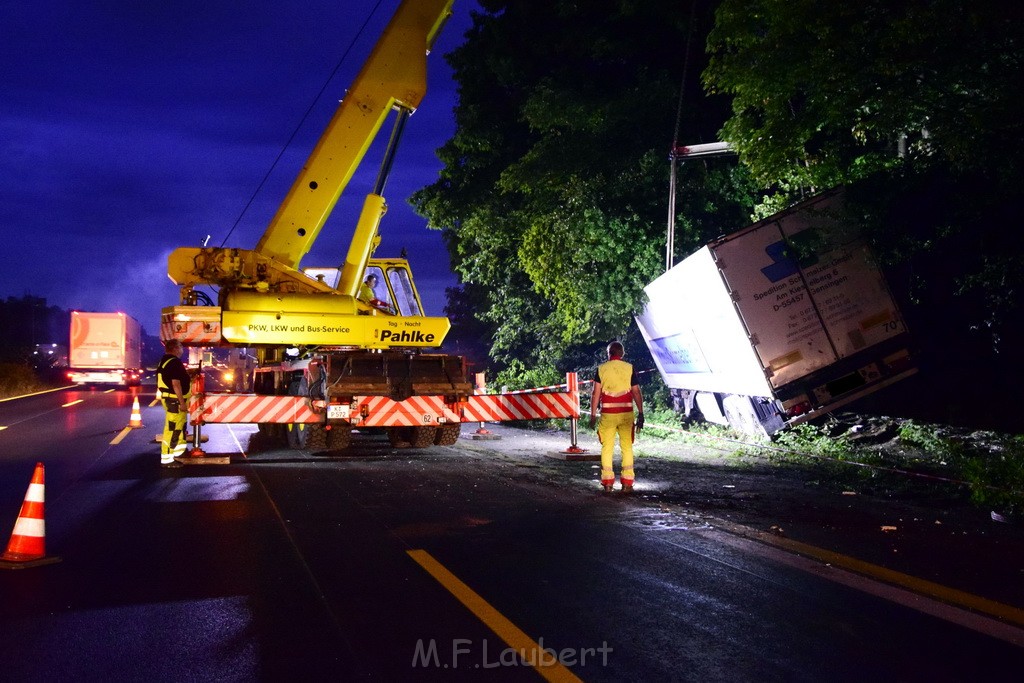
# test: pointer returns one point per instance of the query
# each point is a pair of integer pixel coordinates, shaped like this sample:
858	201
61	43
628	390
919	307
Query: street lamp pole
685	152
670	246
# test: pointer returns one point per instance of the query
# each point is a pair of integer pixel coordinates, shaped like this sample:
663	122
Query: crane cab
394	292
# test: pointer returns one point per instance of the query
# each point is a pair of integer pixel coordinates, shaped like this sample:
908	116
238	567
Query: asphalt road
434	564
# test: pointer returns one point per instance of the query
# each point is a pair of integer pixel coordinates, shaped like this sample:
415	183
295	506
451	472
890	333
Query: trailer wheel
447	434
742	417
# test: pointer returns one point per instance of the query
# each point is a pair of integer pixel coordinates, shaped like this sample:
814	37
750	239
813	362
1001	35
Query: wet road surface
285	565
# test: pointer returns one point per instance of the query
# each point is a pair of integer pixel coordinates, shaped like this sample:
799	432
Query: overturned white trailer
777	323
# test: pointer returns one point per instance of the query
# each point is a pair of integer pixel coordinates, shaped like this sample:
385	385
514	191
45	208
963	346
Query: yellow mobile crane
349	358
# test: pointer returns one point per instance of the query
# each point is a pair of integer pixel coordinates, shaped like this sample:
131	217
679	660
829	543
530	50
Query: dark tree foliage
553	198
26	321
469	337
829	92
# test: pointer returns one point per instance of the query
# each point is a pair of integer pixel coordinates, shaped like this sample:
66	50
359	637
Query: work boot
607	486
627	486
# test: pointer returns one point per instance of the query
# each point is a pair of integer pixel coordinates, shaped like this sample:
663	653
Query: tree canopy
554	193
825	93
553	198
26	321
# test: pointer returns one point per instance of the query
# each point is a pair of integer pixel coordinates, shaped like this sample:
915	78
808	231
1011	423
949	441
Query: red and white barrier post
572	382
481	388
198	394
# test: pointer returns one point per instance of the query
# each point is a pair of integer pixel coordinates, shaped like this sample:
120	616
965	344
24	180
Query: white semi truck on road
105	348
782	321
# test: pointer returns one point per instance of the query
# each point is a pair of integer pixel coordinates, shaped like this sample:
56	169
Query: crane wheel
411	437
316	438
447	434
339	437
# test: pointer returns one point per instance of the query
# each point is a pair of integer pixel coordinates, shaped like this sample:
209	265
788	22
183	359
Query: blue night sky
128	129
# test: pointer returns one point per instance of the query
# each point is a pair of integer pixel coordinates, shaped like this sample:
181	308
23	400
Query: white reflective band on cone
35	493
26	526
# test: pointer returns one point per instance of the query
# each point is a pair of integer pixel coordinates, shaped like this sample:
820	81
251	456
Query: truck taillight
898	361
798	409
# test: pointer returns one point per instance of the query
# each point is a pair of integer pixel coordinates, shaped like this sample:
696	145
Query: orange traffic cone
135	421
27	547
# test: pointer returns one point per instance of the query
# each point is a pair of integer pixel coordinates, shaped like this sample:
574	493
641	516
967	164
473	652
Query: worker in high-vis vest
615	391
174	383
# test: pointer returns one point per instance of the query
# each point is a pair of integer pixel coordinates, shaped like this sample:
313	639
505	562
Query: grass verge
17	379
988	466
885	456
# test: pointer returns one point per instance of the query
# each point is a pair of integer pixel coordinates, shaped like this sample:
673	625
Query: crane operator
368	290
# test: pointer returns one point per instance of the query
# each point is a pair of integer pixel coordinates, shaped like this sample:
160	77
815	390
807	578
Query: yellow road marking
545	664
67	405
3	427
109	390
950	596
120	437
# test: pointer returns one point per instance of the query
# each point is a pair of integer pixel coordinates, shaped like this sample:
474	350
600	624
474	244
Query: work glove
593	421
639	421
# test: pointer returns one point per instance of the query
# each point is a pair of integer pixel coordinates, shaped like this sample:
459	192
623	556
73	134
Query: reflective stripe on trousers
172	442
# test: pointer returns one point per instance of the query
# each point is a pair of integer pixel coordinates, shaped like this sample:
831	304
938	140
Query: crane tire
411	437
339	437
447	434
316	438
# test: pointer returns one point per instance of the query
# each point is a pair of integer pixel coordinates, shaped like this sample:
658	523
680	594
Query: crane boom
264	297
393	77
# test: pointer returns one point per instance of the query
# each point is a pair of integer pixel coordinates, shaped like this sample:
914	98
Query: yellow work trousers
173	441
609	425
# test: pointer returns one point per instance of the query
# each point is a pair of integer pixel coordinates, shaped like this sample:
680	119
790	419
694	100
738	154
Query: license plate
337	411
